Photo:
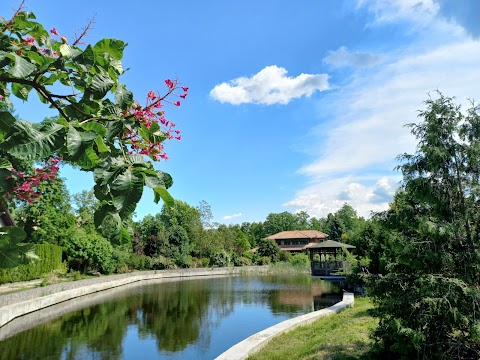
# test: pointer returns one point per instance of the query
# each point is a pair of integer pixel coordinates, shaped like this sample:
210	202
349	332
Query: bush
50	259
163	263
285	256
221	259
242	261
300	260
89	250
205	262
264	260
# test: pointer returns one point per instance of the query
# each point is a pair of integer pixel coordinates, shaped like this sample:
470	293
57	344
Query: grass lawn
343	336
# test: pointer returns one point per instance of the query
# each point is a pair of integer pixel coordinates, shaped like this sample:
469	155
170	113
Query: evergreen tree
428	296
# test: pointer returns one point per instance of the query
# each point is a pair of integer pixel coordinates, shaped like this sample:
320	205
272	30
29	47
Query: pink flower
151	95
1	97
158	105
30	40
25	186
184	88
164	156
183	96
156	157
176	103
148	123
170	83
138	114
54	31
179	137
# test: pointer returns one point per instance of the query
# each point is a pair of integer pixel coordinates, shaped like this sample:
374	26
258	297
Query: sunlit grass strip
342	336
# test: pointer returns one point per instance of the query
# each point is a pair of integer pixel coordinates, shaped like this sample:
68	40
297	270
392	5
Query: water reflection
194	318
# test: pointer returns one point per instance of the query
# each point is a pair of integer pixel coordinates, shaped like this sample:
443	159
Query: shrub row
50	259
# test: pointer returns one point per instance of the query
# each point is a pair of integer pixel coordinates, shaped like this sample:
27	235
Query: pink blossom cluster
30	41
149	114
27	188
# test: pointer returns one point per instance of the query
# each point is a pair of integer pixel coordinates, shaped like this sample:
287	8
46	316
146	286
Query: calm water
181	319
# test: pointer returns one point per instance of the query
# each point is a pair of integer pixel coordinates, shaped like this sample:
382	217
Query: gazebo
331	257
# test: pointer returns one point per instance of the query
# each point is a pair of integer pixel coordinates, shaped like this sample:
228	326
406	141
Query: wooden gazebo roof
331	244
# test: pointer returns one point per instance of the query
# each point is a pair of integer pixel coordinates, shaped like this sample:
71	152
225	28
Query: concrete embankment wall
254	343
24	302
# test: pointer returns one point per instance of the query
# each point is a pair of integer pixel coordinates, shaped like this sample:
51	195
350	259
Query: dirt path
17	286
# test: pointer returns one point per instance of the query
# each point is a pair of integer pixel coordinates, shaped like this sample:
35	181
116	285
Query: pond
193	318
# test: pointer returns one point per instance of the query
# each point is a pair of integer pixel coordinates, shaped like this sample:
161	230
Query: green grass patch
343	336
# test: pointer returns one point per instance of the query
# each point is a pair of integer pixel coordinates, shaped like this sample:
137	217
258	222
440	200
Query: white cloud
343	57
229	217
270	86
356	148
323	197
413	11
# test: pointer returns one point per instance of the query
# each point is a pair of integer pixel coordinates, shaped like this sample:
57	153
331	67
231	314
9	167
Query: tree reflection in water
174	314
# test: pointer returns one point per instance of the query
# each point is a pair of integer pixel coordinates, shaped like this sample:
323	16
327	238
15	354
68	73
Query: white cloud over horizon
356	149
269	86
230	217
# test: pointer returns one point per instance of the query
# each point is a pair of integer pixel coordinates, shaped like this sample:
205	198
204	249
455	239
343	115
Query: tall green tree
428	296
86	204
49	219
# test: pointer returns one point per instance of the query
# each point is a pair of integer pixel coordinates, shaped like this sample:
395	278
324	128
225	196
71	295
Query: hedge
50	260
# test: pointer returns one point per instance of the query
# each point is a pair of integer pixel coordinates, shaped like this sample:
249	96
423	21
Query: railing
329	267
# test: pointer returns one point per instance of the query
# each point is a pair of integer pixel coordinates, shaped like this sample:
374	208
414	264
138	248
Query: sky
292	105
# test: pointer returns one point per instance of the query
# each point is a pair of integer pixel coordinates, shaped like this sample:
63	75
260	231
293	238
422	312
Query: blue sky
292	105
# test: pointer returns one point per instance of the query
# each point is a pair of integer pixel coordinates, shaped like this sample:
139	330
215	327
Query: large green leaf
101	85
21	91
32	141
102	148
74	141
123	97
163	193
95	126
156	179
12	251
22	67
110	46
68	51
86	58
88	159
5	164
127	189
6	122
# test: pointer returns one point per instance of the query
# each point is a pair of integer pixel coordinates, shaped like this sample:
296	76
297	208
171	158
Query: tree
269	249
276	223
335	228
428	296
49	218
86	204
100	127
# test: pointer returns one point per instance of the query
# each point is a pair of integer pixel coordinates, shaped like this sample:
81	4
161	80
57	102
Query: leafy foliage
99	128
427	291
49	259
12	248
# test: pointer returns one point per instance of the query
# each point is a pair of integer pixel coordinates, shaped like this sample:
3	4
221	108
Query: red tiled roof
298	234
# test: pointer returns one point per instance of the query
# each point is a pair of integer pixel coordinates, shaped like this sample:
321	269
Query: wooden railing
329	267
